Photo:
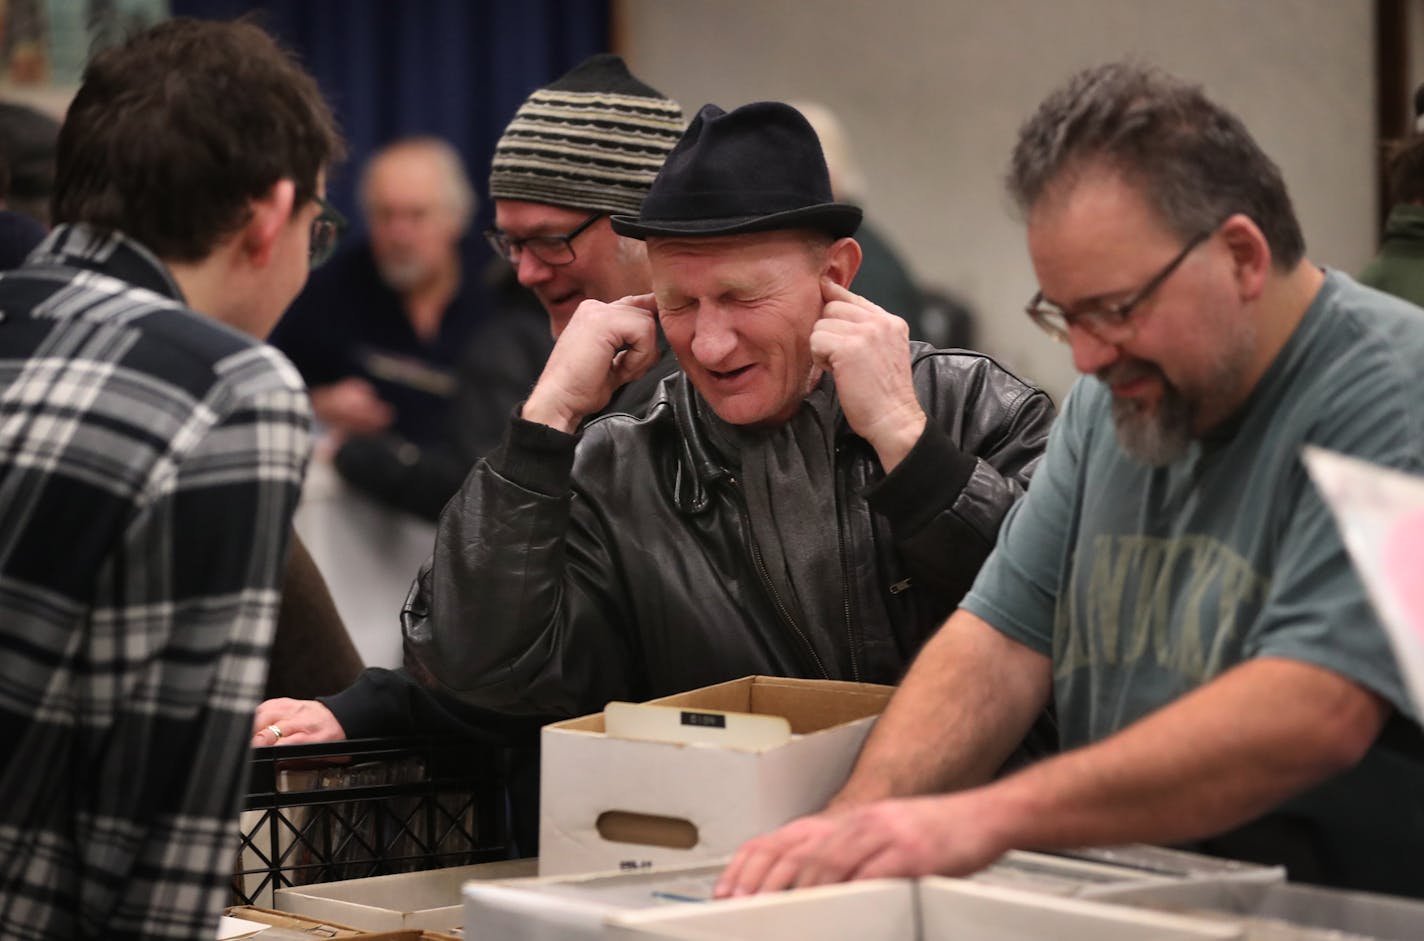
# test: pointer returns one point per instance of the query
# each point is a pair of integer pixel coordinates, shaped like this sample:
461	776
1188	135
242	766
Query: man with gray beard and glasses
1172	582
378	335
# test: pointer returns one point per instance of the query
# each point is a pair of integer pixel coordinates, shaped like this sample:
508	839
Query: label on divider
650	723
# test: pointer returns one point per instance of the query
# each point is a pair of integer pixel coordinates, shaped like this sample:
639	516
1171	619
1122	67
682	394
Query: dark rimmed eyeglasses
1110	323
550	249
326	230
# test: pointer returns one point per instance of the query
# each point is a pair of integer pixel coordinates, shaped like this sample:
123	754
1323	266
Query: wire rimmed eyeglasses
1110	323
550	249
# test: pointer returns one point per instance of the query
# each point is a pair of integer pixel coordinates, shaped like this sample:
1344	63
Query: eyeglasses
1107	322
550	249
326	230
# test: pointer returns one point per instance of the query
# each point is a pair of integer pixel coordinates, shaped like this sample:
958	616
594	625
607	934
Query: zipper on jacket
845	582
765	577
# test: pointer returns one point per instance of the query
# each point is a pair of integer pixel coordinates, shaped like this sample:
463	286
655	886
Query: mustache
1128	371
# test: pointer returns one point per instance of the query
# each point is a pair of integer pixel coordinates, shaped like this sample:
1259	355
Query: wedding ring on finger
276	733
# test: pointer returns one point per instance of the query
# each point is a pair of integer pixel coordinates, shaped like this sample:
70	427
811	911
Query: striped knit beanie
593	139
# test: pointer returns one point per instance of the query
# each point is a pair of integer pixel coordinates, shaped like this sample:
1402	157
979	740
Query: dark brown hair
175	130
1194	160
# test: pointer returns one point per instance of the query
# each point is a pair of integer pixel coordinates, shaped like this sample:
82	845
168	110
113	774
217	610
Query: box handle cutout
624	826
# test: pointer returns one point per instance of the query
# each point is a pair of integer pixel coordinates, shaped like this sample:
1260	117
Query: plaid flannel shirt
150	461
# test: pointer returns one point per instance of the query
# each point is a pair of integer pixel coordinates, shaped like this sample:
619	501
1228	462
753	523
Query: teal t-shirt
1143	583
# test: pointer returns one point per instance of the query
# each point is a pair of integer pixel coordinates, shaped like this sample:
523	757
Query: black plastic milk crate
368	807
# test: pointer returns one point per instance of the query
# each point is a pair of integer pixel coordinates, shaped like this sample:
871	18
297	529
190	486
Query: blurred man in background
377	334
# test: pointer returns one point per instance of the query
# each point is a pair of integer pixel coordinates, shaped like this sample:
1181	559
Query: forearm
921	500
965	704
400	474
1221	756
494	585
994	459
391	702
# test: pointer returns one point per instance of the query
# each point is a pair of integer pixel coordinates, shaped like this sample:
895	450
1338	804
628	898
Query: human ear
842	261
1250	255
268	215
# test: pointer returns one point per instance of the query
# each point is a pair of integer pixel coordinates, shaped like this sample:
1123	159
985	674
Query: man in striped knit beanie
578	150
584	147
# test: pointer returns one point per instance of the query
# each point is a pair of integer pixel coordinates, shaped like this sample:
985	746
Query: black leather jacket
624	568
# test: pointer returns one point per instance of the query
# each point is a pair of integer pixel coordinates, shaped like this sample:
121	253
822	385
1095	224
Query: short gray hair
460	194
1194	160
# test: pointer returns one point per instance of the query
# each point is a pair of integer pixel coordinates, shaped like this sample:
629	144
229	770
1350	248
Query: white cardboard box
622	804
429	899
1266	910
929	909
574	908
1172	863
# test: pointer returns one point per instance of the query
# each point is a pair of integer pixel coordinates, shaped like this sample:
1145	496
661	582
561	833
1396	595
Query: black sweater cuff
375	705
535	456
926	483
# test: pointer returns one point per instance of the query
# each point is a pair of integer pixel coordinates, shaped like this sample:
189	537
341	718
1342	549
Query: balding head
418	202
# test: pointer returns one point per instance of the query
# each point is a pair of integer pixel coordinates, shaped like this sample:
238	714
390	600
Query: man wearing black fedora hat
809	497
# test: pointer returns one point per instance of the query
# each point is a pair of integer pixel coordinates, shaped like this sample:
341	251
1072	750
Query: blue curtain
455	68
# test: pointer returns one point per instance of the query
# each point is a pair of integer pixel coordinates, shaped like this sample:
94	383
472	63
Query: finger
269	711
744	874
731	875
827	342
851	313
757	868
839	326
634	362
646	302
785	873
771	863
831	291
264	737
300	737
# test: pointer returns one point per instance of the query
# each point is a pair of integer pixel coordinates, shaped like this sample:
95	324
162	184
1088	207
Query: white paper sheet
1381	516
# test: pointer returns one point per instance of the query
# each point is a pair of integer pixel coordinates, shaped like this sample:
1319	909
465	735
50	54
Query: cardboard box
609	803
930	909
1048	874
1171	863
574	908
429	899
1284	912
284	927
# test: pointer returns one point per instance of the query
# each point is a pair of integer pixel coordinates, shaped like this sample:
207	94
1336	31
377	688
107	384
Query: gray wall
933	91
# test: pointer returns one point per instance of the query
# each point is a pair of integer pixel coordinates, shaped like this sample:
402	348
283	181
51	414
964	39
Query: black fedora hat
754	169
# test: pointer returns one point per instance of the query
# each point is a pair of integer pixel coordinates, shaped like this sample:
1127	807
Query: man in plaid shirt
151	455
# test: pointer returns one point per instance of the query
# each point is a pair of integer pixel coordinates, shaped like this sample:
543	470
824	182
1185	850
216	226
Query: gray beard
1155	438
403	276
1159	438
